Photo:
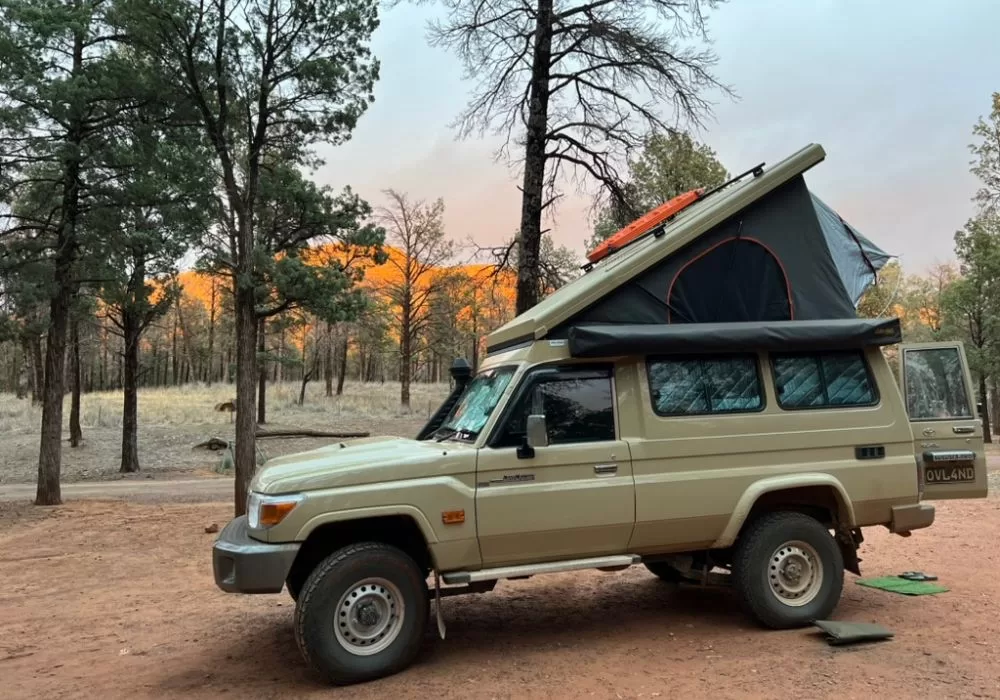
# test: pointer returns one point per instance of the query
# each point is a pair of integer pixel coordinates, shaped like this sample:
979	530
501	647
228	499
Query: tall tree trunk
75	431
278	374
475	343
130	408
307	374
530	239
404	371
175	369
188	369
211	332
405	353
328	362
343	366
103	365
50	447
987	436
48	492
247	374
262	374
995	405
17	369
38	370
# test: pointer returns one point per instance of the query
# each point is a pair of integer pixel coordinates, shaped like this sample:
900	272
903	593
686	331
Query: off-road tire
752	564
316	613
664	571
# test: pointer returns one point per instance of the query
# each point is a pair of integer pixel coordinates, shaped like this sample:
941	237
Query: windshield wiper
448	432
456	432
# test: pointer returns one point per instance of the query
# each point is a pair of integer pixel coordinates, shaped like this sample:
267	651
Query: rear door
947	432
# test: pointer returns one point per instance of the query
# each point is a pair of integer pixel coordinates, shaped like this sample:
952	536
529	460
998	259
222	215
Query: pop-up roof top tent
760	253
760	262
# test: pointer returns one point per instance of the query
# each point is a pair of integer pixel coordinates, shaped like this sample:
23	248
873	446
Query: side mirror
980	409
537	434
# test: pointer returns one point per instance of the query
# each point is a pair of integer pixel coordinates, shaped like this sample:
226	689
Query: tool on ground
918	576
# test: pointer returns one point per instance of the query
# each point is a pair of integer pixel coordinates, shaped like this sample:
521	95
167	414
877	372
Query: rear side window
935	384
823	380
704	385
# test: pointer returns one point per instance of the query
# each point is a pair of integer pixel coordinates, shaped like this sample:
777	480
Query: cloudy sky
891	89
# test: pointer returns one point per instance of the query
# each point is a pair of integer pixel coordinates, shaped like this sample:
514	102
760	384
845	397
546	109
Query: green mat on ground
895	584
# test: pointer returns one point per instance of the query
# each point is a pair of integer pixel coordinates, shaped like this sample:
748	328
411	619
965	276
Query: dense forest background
161	223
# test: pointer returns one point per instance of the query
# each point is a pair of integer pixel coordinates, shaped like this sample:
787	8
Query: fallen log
308	433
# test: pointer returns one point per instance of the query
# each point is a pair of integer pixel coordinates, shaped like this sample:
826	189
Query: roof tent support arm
892	297
864	255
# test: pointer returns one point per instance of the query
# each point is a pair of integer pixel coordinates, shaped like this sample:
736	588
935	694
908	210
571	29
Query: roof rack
660	228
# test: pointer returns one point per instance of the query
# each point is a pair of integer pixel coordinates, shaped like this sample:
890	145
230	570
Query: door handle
605	469
963	430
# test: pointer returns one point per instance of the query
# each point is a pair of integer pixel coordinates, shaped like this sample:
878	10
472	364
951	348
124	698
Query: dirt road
140	490
116	600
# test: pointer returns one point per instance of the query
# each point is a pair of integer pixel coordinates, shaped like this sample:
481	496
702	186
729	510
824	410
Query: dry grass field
173	420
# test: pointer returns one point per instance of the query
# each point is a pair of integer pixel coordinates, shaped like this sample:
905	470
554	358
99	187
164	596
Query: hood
364	461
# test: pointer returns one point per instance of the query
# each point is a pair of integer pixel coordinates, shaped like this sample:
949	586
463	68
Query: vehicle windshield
478	400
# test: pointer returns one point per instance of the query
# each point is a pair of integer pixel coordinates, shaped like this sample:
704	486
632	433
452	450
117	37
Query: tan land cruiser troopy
702	401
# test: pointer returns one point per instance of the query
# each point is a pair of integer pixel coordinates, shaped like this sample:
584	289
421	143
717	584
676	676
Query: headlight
267	511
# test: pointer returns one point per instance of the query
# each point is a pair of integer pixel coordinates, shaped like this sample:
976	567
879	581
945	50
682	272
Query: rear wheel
361	613
788	570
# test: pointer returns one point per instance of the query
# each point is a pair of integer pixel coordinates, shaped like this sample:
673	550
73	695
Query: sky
891	89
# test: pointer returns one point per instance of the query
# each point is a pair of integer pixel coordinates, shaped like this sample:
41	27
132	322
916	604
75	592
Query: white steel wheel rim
369	616
795	573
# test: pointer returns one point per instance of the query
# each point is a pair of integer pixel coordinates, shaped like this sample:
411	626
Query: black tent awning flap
611	340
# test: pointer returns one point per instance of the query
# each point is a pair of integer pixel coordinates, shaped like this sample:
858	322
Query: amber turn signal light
273	513
453	517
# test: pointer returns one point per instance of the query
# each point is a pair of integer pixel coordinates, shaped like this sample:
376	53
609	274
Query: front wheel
361	613
788	570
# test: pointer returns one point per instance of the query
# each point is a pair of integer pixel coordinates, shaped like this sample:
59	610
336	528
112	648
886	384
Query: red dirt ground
111	599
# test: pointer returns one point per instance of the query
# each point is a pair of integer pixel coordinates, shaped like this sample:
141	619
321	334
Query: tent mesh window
738	279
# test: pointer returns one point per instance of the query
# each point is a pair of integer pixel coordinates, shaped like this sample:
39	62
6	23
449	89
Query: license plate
949	475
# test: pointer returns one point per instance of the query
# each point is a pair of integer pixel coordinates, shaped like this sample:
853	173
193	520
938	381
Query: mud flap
849	542
437	604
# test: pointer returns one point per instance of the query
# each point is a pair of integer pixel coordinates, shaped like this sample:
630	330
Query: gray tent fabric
858	260
785	257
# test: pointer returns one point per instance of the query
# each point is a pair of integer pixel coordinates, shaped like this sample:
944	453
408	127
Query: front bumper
911	517
244	565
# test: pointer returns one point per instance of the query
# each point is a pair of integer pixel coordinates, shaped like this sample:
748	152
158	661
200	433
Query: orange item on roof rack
644	224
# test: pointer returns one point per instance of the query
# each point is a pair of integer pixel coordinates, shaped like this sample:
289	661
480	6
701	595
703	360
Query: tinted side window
575	409
935	384
692	386
823	380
